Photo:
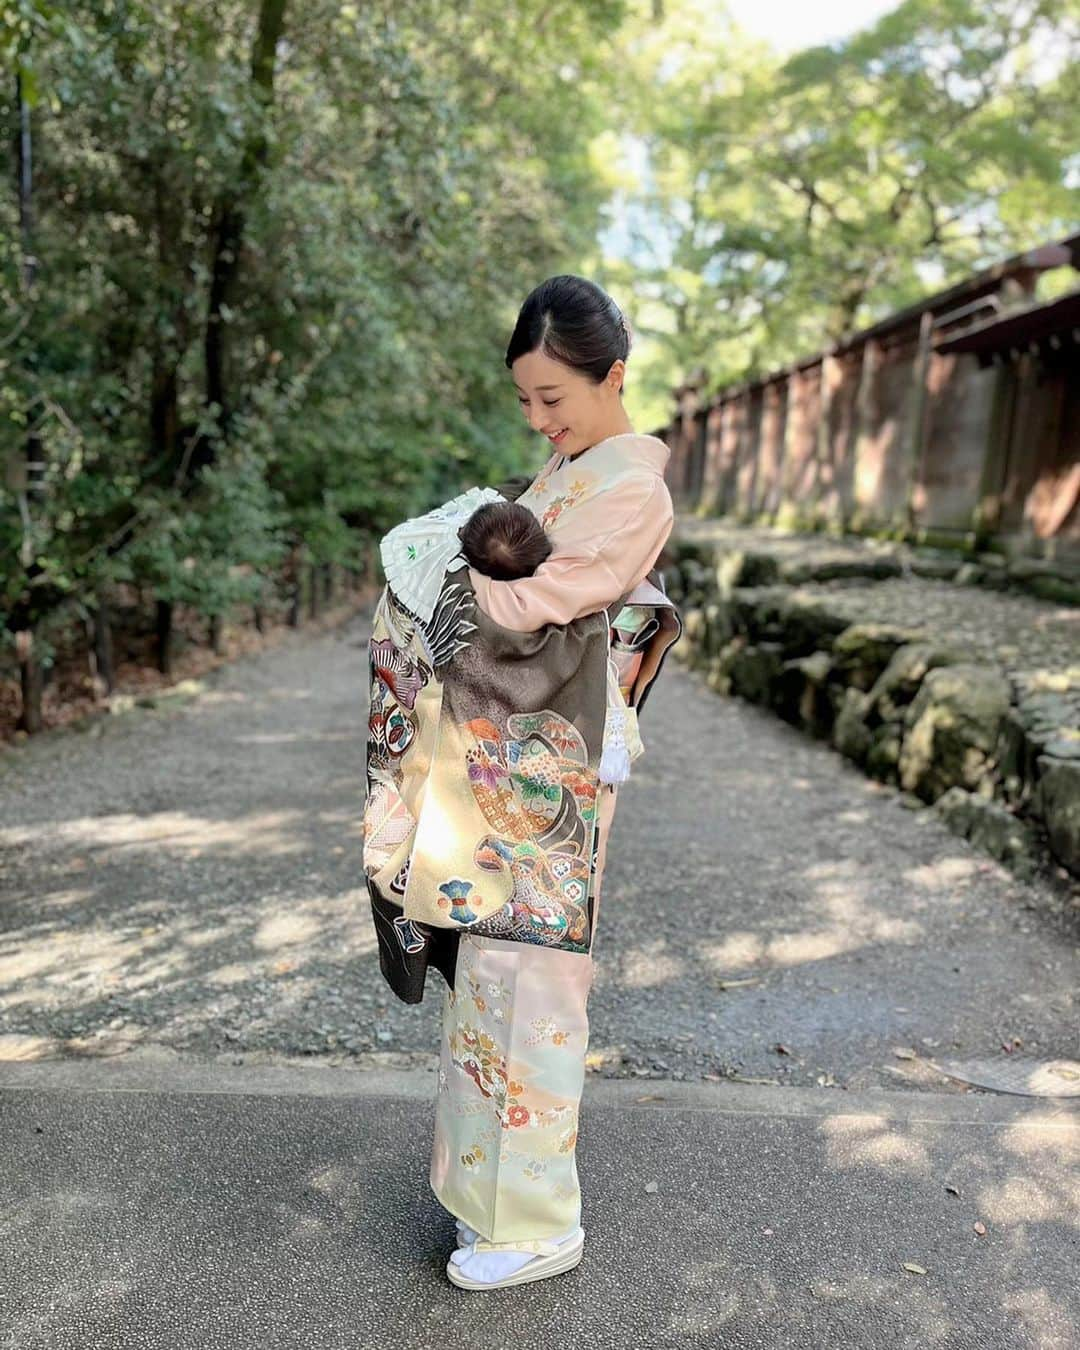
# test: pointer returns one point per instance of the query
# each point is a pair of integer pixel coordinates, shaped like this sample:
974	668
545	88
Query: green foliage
394	199
785	204
410	173
216	551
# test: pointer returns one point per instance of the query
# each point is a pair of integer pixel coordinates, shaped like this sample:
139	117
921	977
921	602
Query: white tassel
615	760
622	743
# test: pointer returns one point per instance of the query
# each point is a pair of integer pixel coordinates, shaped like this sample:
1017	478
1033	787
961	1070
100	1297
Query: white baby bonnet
417	554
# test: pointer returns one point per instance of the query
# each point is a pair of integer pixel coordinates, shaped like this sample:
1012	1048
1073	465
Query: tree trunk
24	169
217	634
103	646
230	215
164	629
30	719
24	478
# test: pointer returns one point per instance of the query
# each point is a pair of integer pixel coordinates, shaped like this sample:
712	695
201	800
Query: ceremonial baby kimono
514	1024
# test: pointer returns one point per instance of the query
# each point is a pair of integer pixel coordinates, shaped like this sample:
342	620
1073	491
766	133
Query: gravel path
1018	632
184	882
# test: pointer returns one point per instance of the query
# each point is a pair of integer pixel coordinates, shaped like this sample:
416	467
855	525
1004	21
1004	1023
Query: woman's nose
538	420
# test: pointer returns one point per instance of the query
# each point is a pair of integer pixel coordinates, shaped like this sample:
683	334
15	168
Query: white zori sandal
551	1258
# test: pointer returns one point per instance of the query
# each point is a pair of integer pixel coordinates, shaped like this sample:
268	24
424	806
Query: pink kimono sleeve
581	579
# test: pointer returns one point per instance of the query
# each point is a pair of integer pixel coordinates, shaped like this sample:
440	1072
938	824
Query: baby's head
504	540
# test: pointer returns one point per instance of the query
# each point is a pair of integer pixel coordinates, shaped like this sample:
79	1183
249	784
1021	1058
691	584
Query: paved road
186	882
288	1209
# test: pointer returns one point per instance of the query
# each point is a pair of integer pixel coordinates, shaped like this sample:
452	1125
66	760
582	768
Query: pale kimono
515	1028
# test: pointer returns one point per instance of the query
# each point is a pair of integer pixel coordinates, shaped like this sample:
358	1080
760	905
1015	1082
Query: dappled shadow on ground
193	879
781	1229
770	912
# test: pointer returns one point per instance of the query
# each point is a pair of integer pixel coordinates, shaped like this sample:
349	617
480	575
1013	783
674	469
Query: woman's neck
626	430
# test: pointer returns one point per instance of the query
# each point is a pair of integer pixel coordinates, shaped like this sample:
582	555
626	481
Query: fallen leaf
902	1052
914	1268
979	1227
952	1190
651	1187
651	1097
781	1049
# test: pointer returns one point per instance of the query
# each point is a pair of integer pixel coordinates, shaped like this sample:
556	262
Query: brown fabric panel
512	488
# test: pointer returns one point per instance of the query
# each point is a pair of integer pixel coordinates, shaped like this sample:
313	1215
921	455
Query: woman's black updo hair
574	321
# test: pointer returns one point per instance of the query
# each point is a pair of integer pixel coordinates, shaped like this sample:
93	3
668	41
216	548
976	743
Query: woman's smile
558	436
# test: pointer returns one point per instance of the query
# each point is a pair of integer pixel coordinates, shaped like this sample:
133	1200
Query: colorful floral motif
507	1101
473	1051
563	501
536	791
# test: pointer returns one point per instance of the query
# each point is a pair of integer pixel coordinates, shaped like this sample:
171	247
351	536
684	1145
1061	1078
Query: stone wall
993	744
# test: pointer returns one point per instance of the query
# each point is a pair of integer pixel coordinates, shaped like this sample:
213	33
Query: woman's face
556	399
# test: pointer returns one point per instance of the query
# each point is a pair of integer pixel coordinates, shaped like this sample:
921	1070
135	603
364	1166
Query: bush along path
964	696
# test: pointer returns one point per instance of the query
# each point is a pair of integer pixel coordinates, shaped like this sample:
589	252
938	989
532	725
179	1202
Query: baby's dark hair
504	541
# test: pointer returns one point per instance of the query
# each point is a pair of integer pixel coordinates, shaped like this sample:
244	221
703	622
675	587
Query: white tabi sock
490	1267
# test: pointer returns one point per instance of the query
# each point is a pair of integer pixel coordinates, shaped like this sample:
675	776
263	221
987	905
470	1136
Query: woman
515	1030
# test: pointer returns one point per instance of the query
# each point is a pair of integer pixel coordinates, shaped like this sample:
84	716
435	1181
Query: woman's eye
553	402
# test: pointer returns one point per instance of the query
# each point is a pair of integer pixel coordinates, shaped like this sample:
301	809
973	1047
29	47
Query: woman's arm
583	578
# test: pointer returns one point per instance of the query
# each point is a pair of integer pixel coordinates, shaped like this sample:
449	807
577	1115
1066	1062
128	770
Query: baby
504	541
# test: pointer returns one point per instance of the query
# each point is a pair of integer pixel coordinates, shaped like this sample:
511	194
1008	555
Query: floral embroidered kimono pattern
511	1074
514	1025
484	747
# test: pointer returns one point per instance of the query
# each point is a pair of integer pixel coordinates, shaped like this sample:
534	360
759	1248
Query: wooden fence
955	421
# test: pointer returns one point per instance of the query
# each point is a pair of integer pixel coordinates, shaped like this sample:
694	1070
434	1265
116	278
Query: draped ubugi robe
485	810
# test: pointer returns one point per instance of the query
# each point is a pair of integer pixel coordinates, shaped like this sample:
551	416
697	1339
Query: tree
799	200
